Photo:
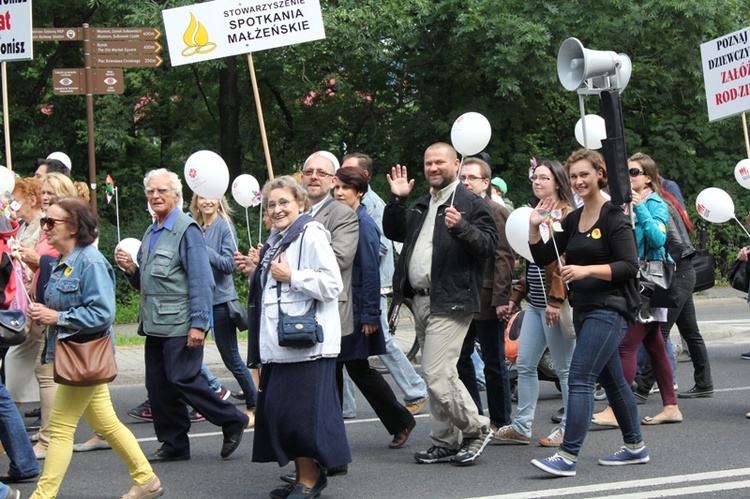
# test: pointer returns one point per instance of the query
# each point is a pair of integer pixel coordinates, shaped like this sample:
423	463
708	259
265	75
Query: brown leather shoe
400	438
416	408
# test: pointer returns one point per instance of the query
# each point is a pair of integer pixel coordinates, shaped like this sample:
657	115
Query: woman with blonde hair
221	241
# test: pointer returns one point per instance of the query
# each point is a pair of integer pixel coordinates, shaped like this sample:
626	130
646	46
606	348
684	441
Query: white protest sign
212	30
15	31
726	73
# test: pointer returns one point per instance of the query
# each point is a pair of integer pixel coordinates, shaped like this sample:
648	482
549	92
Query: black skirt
299	415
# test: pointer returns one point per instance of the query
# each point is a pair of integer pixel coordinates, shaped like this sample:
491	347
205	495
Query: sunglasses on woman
50	222
634	172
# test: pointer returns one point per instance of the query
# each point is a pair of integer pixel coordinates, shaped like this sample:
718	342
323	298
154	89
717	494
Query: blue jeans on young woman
225	334
597	357
23	462
534	338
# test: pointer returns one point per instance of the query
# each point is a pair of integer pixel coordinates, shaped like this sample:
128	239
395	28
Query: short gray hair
287	182
173	178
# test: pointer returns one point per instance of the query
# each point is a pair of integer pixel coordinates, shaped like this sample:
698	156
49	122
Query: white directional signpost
211	30
15	45
106	52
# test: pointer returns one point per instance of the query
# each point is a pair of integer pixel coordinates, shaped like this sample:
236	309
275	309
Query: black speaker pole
613	148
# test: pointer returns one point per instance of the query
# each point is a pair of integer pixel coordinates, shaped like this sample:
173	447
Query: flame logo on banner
196	39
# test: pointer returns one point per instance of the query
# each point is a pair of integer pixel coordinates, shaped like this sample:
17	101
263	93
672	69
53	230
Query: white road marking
631	484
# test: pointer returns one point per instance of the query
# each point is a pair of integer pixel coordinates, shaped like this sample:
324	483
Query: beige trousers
453	413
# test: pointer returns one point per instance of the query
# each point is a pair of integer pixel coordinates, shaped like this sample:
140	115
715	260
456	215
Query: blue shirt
220	244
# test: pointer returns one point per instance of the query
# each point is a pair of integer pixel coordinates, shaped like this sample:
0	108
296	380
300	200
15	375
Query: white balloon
742	173
596	130
517	231
131	246
7	181
471	133
245	190
715	205
207	174
62	158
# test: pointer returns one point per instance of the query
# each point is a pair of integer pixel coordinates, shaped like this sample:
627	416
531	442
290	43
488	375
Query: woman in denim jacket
651	218
80	306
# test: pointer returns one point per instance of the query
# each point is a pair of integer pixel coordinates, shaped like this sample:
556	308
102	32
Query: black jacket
458	256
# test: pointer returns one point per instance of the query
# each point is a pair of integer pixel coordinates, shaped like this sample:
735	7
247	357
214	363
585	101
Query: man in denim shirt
174	315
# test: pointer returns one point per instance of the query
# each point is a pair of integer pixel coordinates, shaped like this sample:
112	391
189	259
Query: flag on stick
110	188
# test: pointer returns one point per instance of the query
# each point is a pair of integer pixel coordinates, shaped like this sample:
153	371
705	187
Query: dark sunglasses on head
50	222
634	172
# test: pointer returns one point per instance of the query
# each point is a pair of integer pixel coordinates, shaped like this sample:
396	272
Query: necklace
586	226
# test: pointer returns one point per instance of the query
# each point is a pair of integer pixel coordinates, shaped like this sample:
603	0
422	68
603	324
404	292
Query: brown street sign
57	34
140	61
125	34
116	48
108	81
68	81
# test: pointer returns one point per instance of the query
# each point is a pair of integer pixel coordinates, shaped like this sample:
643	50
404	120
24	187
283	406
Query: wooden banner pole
6	117
262	123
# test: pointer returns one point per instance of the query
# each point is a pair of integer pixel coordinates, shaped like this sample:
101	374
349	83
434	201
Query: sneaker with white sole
435	454
556	465
508	434
554	439
626	456
471	448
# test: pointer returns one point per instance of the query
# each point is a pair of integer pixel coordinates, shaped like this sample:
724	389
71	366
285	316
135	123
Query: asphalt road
705	456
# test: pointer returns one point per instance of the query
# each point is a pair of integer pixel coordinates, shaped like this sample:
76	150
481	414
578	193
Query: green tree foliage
389	79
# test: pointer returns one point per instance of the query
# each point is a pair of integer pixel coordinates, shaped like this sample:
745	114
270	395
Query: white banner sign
212	30
726	73
15	31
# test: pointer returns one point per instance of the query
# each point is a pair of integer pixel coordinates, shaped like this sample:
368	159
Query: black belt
421	292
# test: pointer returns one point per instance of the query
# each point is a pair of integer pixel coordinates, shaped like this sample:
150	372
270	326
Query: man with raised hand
447	233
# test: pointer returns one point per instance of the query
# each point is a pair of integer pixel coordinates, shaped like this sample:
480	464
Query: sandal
606	423
648	420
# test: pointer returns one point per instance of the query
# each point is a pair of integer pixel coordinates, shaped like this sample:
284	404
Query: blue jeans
534	338
404	374
212	380
225	334
348	401
13	435
597	356
479	369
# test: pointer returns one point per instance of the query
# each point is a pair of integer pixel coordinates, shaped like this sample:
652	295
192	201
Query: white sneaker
554	439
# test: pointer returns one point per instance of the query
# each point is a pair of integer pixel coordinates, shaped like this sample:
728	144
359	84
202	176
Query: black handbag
705	272
656	278
12	328
298	331
737	276
238	314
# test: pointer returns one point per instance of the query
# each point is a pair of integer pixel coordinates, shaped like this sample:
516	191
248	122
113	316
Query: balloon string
742	227
247	222
224	209
460	166
260	225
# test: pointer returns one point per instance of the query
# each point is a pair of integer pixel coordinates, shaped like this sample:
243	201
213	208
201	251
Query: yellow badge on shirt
68	271
596	234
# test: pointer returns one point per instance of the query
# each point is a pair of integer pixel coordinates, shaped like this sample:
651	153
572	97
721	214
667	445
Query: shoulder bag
705	272
298	331
737	276
656	278
12	328
238	314
84	364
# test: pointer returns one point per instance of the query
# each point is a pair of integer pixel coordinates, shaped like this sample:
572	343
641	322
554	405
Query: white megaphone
577	64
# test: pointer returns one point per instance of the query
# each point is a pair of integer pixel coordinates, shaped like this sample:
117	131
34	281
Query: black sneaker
435	454
471	448
33	413
238	395
142	412
746	355
640	397
558	416
696	393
